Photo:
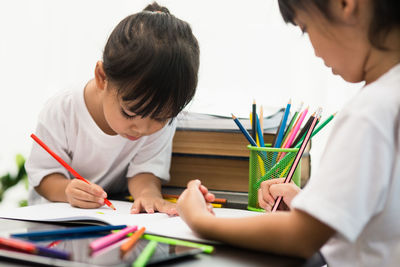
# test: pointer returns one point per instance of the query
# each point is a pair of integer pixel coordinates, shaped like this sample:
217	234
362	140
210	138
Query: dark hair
152	58
385	16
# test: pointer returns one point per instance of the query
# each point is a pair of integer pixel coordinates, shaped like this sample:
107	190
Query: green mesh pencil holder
268	163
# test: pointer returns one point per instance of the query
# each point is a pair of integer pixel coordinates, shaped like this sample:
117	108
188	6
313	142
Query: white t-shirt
66	127
356	189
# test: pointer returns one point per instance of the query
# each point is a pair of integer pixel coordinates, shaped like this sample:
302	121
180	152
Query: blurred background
247	52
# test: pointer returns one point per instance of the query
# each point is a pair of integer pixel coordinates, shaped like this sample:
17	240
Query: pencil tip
233	116
112	206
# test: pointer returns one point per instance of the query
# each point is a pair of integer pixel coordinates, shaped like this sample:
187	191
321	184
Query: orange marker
128	244
69	168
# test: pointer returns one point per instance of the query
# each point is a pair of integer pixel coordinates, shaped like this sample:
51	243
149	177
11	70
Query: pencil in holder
269	163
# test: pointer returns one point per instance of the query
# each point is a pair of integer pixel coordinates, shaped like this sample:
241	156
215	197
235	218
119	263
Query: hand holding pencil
80	193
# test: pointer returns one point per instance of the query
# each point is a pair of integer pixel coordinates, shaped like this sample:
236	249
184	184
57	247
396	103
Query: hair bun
154	7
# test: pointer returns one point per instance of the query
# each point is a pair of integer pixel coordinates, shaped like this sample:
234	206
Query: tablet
109	256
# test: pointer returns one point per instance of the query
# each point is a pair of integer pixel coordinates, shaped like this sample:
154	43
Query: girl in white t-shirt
350	207
116	130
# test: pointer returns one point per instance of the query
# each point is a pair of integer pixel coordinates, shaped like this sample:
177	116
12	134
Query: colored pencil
262	120
169	196
292	128
17	244
244	131
296	128
172	241
132	240
319	128
52	253
68	231
63	163
31	248
282	127
53	244
259	132
303	130
253	121
298	157
216	200
292	122
111	238
248	137
146	254
301	134
260	143
174	200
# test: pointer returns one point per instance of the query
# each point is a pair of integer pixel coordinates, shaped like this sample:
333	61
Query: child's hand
82	195
273	188
150	204
194	200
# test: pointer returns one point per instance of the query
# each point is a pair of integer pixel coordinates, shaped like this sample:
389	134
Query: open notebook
157	223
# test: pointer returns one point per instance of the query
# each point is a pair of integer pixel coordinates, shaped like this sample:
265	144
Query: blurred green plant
8	180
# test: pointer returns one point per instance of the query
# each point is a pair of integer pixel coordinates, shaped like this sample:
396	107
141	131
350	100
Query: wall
247	52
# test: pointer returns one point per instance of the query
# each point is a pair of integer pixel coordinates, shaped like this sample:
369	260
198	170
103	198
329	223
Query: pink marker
111	238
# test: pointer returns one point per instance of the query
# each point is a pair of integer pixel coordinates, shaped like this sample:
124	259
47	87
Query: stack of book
211	148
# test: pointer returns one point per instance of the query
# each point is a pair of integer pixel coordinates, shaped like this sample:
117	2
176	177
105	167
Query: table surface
224	255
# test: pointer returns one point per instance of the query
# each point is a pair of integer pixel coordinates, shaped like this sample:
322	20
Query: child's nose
146	127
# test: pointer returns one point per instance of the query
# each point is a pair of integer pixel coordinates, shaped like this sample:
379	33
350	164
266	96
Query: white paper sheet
156	223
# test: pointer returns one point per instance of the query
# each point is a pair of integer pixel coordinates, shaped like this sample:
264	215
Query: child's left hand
150	204
194	201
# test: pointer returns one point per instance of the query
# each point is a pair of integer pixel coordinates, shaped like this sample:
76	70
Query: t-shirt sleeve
51	130
155	155
351	183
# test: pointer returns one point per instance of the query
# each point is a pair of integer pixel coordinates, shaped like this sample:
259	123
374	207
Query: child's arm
291	233
56	187
145	189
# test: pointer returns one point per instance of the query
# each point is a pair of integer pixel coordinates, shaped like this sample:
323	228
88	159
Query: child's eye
126	115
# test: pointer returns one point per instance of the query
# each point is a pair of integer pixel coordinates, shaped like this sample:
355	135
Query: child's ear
100	76
347	10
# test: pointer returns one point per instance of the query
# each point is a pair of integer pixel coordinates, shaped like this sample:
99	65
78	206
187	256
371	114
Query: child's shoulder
377	103
63	102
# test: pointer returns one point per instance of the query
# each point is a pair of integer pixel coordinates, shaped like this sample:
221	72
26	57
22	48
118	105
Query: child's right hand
82	195
274	188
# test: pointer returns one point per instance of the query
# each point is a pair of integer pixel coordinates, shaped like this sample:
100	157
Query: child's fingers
166	207
203	189
84	204
209	197
262	202
210	208
93	189
194	185
135	209
85	196
142	205
285	190
79	190
97	191
265	191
